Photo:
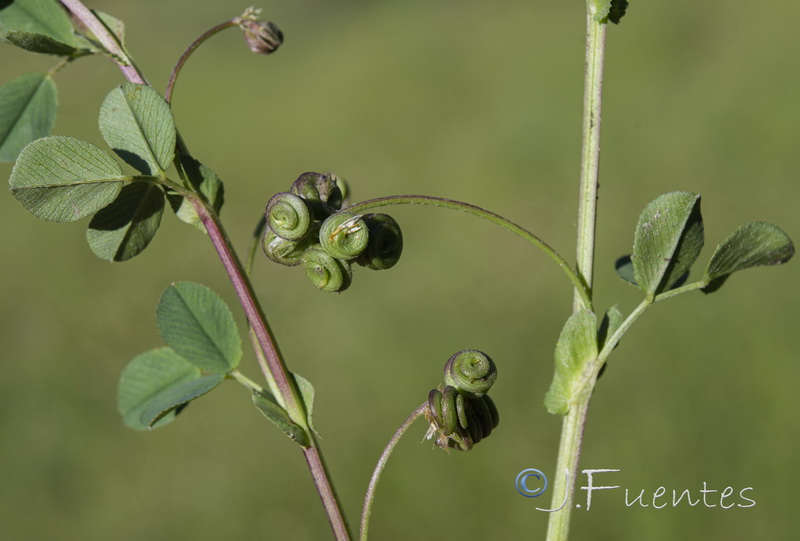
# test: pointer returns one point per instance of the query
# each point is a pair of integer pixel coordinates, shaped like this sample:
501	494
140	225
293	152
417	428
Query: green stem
247	382
569	451
387	452
590	152
574	421
581	289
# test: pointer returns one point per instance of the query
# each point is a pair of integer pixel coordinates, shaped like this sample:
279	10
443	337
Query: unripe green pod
285	252
470	371
344	235
322	192
385	242
289	216
325	271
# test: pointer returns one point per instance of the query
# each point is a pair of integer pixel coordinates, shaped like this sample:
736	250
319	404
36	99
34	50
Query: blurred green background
478	101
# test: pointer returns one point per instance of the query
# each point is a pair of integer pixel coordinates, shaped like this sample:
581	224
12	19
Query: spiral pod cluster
460	412
305	226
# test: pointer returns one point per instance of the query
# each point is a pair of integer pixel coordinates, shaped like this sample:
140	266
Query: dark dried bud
263	37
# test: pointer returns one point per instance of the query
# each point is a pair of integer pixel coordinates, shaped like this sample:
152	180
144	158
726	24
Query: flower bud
263	37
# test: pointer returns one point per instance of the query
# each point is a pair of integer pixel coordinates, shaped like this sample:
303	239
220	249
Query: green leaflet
125	227
63	179
576	347
43	17
751	245
28	107
137	124
155	384
624	269
668	240
196	323
177	396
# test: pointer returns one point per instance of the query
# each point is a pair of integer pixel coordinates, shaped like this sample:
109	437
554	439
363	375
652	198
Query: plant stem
569	451
369	498
272	363
574	421
115	49
590	151
582	292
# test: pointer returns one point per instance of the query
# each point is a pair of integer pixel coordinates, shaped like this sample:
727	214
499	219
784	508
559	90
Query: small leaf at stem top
63	179
28	107
751	245
137	124
195	322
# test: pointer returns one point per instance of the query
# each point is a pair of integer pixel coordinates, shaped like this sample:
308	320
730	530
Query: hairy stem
590	151
574	421
582	291
369	498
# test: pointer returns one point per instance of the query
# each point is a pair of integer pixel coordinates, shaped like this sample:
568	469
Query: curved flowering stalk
583	290
461	413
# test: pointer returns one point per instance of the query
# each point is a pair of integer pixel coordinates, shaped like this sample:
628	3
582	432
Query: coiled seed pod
285	252
288	216
344	235
325	271
459	417
470	371
385	242
617	10
322	192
